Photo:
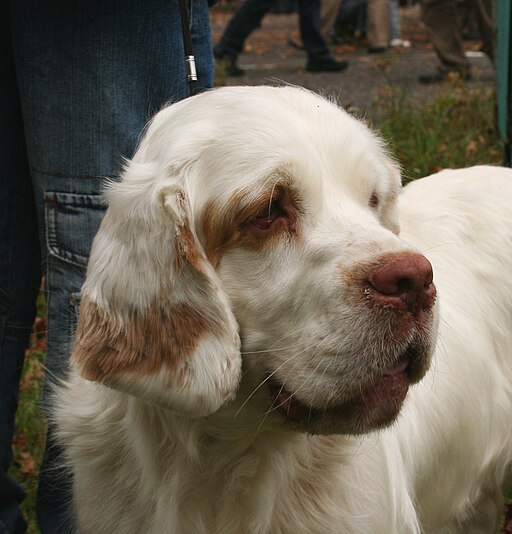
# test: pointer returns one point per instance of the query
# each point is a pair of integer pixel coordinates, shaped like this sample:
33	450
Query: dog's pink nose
404	282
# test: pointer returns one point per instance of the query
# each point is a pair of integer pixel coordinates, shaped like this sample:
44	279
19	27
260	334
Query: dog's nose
404	282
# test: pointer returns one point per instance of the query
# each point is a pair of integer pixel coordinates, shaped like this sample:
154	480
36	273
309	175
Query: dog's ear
154	320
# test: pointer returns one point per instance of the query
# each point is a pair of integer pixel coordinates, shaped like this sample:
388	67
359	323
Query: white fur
439	468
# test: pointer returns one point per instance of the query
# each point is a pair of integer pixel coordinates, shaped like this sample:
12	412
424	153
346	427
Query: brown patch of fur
162	336
187	248
228	226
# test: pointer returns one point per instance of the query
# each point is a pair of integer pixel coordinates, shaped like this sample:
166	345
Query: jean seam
52	240
52	203
56	174
68	257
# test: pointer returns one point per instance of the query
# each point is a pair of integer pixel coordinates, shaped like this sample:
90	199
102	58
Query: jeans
395	30
353	13
79	80
249	15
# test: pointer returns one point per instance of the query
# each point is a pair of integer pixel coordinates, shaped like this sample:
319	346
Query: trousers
79	80
249	15
442	19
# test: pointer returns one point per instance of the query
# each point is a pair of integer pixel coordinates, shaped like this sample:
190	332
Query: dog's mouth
375	406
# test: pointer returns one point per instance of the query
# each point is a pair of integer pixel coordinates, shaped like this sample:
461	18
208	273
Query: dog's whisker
293	356
273	348
329	363
268	412
245	353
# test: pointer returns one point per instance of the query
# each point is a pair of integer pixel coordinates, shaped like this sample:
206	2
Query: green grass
456	130
28	442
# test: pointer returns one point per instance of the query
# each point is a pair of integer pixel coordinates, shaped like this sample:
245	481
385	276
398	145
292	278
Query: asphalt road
269	59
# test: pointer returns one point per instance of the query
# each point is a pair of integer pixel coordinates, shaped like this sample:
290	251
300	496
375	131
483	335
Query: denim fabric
353	13
249	15
19	274
79	80
395	30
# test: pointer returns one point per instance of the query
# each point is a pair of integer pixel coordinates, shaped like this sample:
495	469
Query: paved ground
268	59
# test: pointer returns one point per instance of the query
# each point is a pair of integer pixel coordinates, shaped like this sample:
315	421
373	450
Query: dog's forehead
269	135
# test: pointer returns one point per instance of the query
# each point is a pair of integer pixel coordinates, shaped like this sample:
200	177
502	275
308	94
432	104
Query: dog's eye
271	213
374	200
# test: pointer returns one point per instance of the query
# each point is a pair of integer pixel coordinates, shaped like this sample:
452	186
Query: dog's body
272	213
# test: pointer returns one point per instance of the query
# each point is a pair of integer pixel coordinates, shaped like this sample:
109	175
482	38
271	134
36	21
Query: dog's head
266	215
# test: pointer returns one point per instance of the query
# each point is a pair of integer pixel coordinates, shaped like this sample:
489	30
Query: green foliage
28	441
457	129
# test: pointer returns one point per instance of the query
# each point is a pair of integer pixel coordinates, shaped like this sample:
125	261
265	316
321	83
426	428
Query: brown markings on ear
188	250
164	335
228	226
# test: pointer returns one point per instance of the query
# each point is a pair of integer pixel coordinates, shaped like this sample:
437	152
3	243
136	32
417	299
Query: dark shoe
376	49
444	75
228	63
326	65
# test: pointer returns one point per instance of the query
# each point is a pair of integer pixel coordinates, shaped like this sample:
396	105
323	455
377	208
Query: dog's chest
303	490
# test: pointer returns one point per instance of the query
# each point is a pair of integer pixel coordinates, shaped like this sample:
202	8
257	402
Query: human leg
328	15
485	16
395	31
244	21
20	272
441	17
378	24
91	74
319	55
309	20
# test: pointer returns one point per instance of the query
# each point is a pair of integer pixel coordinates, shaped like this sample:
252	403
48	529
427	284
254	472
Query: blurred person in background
248	17
445	30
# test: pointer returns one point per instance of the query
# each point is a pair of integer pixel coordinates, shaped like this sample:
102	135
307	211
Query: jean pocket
72	221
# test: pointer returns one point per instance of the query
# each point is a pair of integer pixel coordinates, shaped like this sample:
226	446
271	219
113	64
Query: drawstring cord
190	60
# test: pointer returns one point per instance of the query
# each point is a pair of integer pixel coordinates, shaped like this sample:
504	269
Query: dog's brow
221	223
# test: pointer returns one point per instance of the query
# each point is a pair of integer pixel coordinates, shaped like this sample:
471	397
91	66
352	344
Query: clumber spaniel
261	347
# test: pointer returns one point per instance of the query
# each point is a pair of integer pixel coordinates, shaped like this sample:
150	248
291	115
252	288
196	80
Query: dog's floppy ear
154	319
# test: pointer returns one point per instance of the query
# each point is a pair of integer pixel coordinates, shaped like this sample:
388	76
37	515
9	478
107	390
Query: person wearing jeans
78	83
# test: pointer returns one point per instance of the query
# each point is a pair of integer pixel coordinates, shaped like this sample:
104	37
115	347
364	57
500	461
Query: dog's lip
383	398
398	368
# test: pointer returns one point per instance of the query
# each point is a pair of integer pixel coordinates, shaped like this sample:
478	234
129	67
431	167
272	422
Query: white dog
253	319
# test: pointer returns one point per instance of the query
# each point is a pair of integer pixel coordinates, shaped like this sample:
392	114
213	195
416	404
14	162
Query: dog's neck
249	469
229	473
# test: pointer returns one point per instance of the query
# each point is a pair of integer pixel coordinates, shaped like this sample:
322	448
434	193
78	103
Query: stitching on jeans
53	202
53	244
64	175
69	257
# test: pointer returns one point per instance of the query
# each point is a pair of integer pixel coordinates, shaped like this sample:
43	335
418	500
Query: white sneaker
400	42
